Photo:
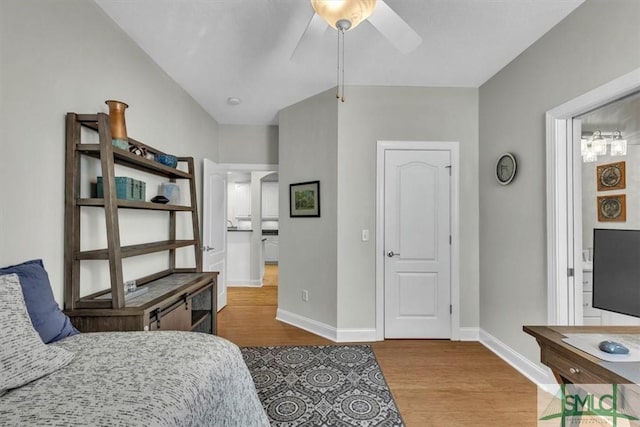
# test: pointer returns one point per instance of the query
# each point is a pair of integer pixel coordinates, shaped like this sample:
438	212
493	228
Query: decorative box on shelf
126	188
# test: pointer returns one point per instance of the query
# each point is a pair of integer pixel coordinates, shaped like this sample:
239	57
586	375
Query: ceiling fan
344	15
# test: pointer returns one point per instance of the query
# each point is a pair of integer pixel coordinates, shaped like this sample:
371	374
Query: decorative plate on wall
612	208
611	176
506	168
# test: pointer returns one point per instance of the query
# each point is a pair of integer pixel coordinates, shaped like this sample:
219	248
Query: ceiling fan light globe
354	11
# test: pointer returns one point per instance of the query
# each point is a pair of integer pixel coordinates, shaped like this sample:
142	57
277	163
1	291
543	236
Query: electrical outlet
305	295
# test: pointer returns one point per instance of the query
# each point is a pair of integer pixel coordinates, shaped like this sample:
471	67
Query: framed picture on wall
612	208
611	176
304	199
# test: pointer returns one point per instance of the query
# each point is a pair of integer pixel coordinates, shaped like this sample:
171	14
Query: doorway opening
607	190
233	221
564	198
252	219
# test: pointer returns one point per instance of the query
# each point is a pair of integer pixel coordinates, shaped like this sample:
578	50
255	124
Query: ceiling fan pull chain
338	67
343	65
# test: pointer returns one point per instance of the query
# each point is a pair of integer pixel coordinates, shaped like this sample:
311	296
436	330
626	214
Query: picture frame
612	208
304	199
611	176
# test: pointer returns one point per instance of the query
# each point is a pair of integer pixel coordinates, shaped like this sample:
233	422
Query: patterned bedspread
141	379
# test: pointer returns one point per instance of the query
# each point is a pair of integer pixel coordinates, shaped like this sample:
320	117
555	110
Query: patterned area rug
322	386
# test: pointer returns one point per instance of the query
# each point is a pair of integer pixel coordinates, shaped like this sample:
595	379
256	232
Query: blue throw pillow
47	318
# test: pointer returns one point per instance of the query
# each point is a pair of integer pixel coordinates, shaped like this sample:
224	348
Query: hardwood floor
434	382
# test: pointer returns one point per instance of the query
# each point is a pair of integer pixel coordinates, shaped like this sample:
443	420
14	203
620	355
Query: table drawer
573	371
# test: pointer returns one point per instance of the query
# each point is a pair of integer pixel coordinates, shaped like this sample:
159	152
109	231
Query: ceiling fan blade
316	27
394	28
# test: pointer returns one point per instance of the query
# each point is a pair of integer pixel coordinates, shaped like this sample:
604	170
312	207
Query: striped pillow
23	355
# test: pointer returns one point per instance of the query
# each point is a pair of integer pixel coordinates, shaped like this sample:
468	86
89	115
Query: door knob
391	254
207	248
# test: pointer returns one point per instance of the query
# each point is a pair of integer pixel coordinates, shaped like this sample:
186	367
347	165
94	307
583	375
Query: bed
163	378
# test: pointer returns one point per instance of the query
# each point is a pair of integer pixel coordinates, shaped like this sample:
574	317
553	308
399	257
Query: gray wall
336	143
248	144
399	113
568	61
309	152
69	56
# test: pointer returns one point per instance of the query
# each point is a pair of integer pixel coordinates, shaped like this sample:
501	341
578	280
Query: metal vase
116	119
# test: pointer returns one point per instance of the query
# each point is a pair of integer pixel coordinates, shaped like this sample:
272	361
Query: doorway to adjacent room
564	198
233	235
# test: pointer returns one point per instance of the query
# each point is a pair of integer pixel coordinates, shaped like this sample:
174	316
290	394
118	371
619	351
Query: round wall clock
506	168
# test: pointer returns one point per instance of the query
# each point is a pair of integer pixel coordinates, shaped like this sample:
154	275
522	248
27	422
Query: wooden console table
571	365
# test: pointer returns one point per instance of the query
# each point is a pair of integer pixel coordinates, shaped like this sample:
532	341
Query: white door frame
561	178
245	167
248	167
210	168
453	148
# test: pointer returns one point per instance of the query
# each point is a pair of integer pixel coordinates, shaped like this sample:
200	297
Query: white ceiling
216	49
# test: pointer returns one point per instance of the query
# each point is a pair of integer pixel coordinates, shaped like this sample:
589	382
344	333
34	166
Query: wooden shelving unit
176	298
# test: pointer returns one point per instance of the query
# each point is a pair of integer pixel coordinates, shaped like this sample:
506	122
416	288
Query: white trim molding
356	335
244	283
560	186
248	167
469	334
454	148
557	200
326	331
309	325
541	376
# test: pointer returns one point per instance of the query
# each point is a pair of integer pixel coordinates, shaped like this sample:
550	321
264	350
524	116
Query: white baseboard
542	377
470	334
324	330
309	325
356	335
244	283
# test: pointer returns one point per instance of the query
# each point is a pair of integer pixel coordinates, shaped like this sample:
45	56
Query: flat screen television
616	271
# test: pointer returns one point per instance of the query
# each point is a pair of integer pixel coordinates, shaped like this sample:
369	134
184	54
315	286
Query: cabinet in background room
239	200
590	316
270	200
270	249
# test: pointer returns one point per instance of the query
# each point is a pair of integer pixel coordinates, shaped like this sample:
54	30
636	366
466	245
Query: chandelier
596	145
